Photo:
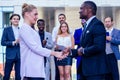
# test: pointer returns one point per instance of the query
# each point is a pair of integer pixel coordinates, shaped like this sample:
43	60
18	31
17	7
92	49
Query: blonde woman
32	52
66	40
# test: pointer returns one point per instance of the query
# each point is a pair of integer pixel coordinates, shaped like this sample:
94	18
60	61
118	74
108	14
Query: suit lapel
89	26
113	32
12	33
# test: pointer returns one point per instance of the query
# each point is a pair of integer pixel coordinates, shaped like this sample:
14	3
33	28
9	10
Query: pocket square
87	31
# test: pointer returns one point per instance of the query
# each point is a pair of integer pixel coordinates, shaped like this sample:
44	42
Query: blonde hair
60	31
27	8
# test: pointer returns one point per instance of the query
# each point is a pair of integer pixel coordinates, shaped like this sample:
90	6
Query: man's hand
44	42
108	38
16	42
80	51
66	51
59	55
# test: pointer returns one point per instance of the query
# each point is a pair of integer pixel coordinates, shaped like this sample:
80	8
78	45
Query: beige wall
72	15
117	18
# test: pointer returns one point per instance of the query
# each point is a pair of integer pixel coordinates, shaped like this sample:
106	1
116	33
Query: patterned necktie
84	28
83	33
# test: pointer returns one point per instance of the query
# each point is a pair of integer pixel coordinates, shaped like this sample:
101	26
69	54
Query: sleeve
4	40
49	43
31	43
77	38
116	39
73	53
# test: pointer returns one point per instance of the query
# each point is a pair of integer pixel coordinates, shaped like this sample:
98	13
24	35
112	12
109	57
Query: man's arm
4	39
49	43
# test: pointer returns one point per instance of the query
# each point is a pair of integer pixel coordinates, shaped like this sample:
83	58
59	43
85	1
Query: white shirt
89	20
15	31
108	44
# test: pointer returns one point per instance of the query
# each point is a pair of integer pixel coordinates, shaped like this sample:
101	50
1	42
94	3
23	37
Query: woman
32	53
64	40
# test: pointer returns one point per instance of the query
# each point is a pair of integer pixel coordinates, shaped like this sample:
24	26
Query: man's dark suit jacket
94	57
7	38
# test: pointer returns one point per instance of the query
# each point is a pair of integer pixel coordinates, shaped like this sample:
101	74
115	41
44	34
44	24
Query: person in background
112	49
61	18
64	40
46	40
10	39
77	37
32	52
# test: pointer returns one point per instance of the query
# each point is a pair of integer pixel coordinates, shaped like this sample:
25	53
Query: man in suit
10	39
112	49
46	40
77	36
93	65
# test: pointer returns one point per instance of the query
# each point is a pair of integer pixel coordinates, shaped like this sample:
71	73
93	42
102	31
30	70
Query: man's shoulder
8	27
55	27
78	29
116	30
47	33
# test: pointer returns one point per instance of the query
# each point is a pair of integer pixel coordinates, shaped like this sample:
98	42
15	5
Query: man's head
61	18
14	19
41	24
108	22
87	9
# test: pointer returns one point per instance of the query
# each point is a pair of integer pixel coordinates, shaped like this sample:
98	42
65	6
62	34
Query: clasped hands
62	54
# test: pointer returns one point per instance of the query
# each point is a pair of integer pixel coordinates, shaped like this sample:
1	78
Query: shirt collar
109	30
14	27
89	20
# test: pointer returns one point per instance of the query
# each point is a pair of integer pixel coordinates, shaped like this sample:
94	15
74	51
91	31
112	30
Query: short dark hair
109	17
62	15
92	5
14	15
41	20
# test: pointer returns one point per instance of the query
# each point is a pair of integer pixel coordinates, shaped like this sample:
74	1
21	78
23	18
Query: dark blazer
115	42
7	38
77	36
93	41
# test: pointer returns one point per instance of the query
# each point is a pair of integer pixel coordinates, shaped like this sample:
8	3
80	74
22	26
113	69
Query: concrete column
72	15
116	14
102	13
18	10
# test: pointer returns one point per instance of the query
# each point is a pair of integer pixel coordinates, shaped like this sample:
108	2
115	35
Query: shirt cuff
13	43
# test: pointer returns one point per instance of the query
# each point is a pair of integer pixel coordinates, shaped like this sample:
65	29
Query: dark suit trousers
96	77
8	68
33	78
113	68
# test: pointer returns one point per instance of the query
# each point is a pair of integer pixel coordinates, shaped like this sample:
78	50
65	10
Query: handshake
62	54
